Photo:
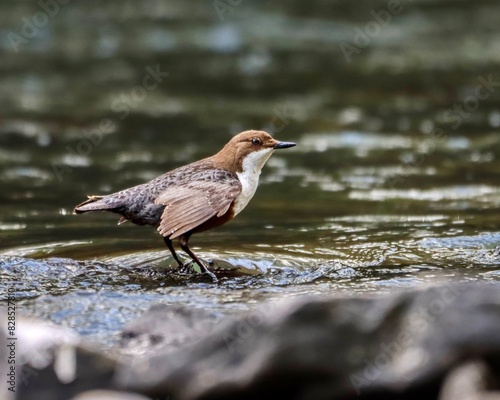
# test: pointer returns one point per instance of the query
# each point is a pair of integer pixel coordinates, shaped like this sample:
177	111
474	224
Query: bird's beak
284	145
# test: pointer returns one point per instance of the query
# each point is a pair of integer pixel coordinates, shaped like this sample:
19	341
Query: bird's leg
168	242
183	242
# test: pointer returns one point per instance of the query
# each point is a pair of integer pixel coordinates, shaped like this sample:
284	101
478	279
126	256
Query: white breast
249	177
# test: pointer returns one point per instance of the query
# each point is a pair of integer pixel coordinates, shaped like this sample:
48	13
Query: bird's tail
93	203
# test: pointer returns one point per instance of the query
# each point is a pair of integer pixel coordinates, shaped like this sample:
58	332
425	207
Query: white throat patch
249	177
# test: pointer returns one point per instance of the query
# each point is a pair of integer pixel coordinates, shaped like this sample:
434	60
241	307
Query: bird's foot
204	270
185	268
210	274
188	268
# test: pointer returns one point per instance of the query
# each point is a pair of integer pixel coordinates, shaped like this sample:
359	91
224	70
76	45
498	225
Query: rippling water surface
381	193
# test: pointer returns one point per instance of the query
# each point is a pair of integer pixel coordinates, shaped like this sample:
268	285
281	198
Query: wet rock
54	275
53	363
400	346
440	342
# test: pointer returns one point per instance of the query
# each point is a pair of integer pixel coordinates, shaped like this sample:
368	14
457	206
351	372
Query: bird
195	197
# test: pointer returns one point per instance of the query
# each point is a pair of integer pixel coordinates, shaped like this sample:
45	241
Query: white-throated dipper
196	197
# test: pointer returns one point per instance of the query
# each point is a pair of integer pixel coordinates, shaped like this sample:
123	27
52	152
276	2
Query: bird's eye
256	141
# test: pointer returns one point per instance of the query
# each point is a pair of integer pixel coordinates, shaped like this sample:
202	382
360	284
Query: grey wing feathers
188	206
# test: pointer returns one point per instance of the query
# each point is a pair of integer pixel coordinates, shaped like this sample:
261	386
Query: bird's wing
188	206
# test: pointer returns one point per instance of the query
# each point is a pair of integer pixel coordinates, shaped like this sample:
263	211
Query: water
387	188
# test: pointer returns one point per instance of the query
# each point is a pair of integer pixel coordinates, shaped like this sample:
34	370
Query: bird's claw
187	268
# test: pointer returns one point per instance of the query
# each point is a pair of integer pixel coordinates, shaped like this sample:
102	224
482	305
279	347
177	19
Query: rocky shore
440	342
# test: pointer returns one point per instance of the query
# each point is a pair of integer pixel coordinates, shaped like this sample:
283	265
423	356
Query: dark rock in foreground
429	343
166	327
398	346
53	363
